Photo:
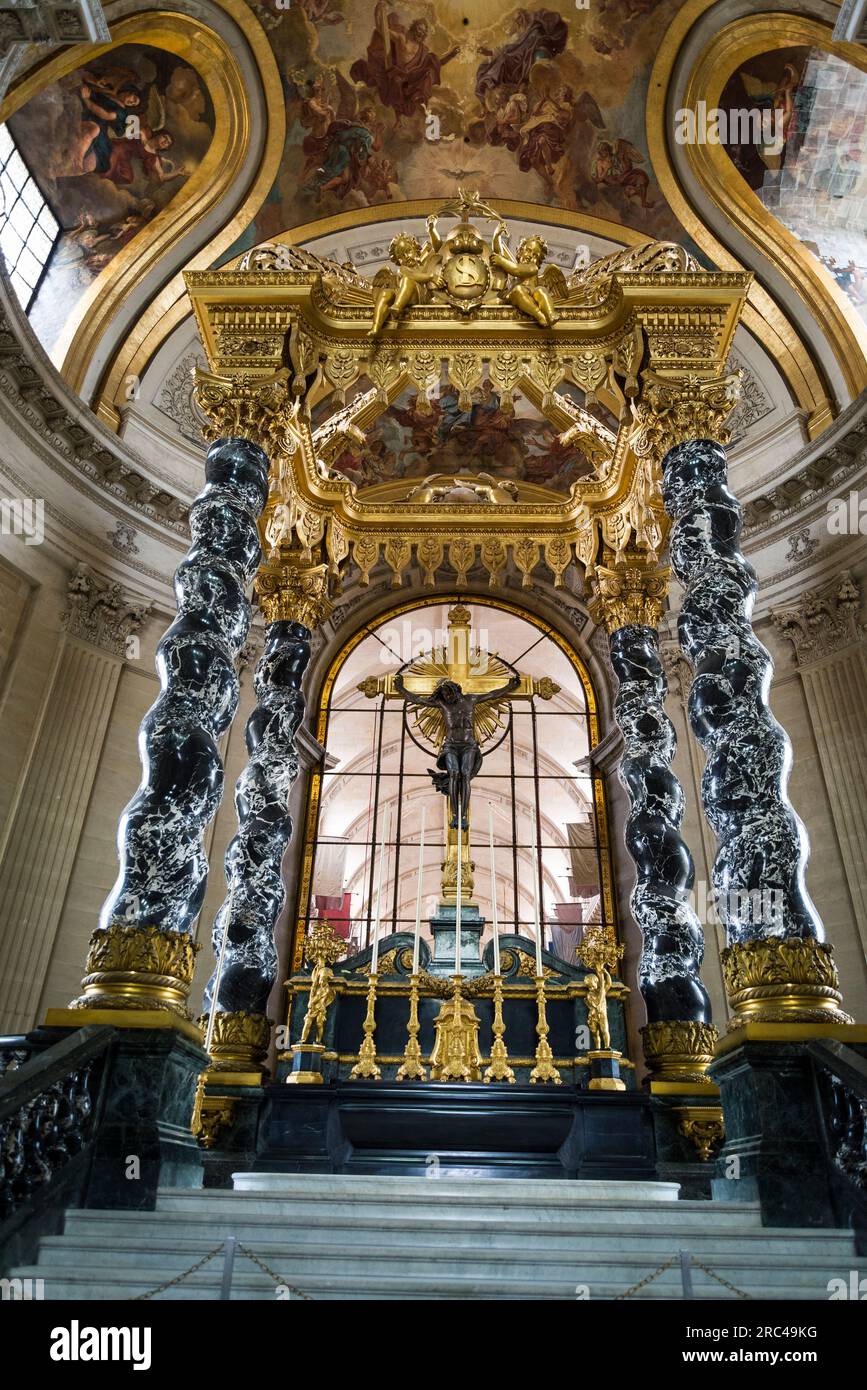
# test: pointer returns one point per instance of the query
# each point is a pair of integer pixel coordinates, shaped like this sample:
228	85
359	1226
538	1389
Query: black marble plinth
442	925
605	1071
774	1150
143	1138
305	1067
487	1131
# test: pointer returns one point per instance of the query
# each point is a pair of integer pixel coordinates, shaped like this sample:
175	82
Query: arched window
536	787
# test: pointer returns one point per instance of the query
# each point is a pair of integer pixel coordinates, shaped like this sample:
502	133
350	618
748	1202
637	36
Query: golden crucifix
477	674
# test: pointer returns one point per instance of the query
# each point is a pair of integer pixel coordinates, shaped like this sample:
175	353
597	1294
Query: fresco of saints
541	36
399	65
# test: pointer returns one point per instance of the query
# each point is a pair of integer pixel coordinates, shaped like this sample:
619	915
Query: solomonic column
679	1036
293	596
142	953
777	965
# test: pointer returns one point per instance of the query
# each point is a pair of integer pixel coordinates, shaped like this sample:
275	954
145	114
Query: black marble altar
472	1129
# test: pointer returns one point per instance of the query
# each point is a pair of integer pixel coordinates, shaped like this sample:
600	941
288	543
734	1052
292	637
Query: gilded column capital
247	407
290	592
680	410
632	595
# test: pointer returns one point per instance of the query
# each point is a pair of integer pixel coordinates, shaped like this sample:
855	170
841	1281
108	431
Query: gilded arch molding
719	181
721	58
211	56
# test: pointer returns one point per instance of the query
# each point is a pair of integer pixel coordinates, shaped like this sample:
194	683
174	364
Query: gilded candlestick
499	1069
365	1067
412	1069
544	1069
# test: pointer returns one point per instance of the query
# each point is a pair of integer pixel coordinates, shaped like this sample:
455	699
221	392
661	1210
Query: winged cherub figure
419	265
530	294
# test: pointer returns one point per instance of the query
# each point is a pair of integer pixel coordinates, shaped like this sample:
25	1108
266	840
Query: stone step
428	1199
771	1264
121	1284
145	1231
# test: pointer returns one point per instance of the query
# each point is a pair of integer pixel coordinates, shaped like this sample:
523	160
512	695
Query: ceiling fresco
110	145
813	175
393	102
488	436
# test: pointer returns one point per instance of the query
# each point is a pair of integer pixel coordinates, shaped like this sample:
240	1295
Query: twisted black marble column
254	857
668	973
163	865
762	849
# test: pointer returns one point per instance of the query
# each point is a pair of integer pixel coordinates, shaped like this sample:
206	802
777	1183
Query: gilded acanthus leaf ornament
674	412
630	596
292	593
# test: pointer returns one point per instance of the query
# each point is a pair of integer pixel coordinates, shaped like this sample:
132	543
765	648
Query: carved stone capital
291	593
823	621
778	979
631	595
677	411
100	612
137	968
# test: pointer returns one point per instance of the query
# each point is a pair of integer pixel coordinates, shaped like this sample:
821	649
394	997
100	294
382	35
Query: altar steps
337	1237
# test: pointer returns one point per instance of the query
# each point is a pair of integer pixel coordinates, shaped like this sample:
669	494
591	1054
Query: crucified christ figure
460	756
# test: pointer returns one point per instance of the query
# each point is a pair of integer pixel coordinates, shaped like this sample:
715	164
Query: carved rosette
137	968
679	1050
669	969
254	857
163	865
240	1041
782	980
762	847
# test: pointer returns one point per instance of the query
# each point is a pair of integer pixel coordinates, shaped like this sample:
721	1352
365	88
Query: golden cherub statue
529	294
416	270
323	949
600	952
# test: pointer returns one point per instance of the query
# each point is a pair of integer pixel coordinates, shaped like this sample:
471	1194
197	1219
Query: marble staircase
359	1237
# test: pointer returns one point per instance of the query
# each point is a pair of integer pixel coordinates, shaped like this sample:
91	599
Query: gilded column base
240	1042
138	968
782	980
679	1050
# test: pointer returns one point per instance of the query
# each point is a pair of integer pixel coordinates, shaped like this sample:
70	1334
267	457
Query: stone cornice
44	412
827	464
